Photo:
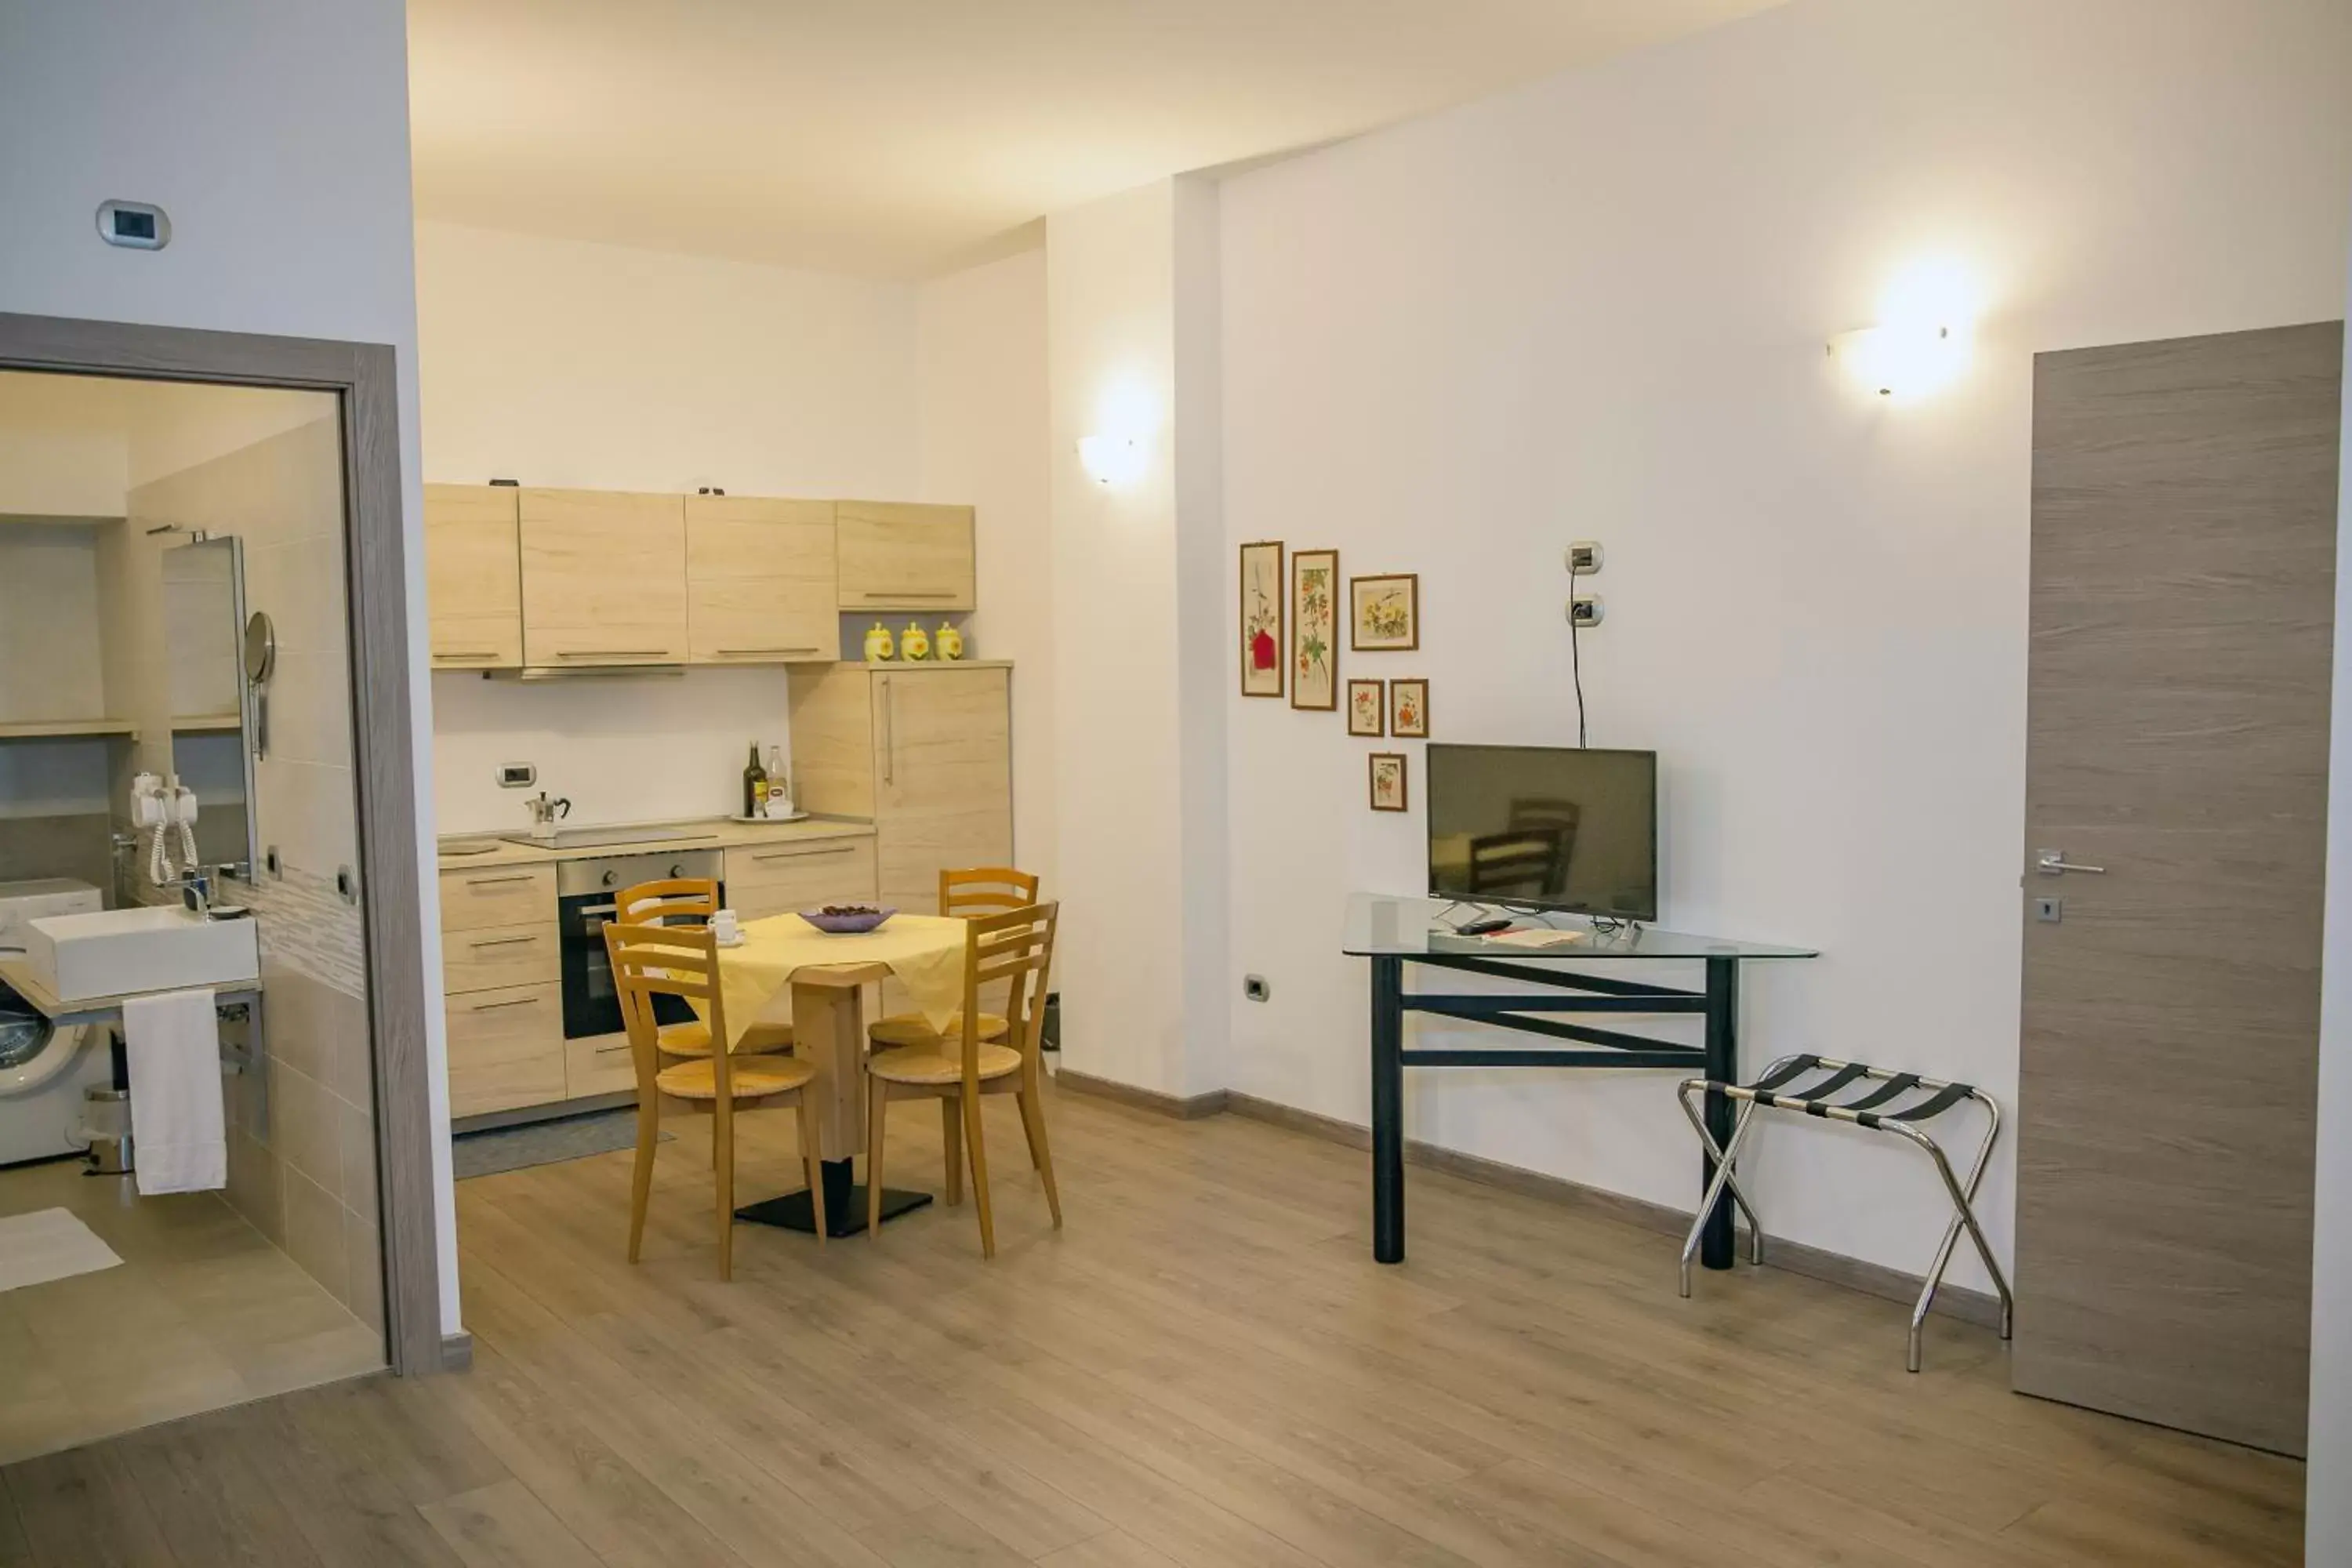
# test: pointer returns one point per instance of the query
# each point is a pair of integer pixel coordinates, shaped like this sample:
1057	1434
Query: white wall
563	364
275	134
2328	1505
981	420
1596	308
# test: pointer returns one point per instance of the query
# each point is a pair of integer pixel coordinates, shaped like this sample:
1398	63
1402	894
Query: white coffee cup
725	927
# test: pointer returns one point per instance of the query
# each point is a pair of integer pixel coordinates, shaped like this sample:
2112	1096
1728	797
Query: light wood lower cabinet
599	1064
765	879
473	577
925	751
497	956
506	1048
604	578
760	580
476	900
895	556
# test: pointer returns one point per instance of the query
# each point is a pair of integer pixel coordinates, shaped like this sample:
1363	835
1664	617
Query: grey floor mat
501	1149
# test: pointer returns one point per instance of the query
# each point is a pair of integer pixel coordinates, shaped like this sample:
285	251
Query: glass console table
1394	932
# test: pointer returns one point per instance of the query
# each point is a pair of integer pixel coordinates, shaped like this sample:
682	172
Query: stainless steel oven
583	901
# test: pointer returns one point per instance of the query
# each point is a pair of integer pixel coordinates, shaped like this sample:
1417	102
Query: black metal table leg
1717	1246
1387	1110
844	1204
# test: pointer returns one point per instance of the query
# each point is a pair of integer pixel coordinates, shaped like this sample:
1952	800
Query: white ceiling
899	137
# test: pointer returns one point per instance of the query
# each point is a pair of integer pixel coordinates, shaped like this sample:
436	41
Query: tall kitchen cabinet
923	750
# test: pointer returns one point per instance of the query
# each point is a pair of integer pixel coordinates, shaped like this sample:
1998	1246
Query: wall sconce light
1112	459
1902	360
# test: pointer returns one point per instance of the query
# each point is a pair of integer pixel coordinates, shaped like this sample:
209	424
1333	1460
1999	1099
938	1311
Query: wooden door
2183	580
760	580
942	778
898	556
604	578
473	579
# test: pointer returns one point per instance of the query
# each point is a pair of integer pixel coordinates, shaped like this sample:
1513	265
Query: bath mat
498	1149
48	1244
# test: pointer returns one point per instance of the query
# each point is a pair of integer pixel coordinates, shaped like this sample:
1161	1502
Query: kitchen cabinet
604	578
500	972
473	577
765	879
761	587
924	751
895	556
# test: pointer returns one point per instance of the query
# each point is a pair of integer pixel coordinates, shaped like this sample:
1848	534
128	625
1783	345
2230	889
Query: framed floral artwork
1364	715
1388	781
1384	613
1314	629
1408	709
1262	619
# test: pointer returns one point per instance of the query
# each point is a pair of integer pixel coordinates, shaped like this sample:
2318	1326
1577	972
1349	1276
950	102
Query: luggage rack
1884	1107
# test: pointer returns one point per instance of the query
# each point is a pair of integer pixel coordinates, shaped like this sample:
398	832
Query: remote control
1486	927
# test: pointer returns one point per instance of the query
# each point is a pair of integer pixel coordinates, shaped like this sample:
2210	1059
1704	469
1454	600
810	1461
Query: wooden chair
650	961
691	900
1016	947
974	890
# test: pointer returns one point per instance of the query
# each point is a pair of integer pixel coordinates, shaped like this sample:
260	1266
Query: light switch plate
517	775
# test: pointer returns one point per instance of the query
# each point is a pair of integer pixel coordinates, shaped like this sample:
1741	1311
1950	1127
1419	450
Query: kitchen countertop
711	833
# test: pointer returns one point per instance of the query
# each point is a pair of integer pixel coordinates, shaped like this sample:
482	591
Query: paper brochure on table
1539	936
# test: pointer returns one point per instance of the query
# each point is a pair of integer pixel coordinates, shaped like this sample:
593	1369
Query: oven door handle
598	909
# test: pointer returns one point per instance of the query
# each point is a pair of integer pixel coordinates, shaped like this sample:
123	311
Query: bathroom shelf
66	729
205	724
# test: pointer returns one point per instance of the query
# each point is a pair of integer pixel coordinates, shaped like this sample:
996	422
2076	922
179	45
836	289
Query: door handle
2054	863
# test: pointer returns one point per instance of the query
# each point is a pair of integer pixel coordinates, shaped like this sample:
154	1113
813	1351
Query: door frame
362	378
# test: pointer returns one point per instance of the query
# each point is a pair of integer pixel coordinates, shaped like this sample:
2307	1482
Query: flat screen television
1547	827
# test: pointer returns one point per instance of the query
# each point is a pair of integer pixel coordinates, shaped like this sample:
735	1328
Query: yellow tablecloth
925	952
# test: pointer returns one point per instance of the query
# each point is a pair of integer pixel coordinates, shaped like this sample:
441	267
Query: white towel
172	1043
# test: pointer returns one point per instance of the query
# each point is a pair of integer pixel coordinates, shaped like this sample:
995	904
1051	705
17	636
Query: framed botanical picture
1408	709
1262	594
1388	781
1364	716
1314	629
1384	613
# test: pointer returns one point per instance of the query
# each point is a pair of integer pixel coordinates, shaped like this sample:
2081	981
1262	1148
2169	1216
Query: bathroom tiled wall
302	1143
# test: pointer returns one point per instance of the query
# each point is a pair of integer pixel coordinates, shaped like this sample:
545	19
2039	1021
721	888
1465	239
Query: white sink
119	952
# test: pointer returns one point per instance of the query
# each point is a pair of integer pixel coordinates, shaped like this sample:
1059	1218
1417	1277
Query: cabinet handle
912	593
758	652
805	853
511	1001
614	653
467	654
889	733
502	942
487	881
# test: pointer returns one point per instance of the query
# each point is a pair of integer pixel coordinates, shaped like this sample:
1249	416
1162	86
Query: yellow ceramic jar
877	644
949	643
913	644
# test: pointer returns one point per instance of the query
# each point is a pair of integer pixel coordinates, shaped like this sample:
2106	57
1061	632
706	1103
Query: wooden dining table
826	978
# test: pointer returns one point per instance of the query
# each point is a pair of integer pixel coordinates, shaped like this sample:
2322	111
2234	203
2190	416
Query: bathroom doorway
196	1141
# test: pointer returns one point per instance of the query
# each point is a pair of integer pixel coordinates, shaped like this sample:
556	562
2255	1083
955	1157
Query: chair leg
722	1141
641	1179
952	1136
973	1140
1033	1121
877	1100
813	1162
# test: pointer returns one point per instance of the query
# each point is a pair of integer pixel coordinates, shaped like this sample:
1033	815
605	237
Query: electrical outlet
1584	611
1584	558
517	775
1255	987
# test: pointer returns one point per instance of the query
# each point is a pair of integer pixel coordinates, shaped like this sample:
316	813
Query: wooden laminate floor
1205	1368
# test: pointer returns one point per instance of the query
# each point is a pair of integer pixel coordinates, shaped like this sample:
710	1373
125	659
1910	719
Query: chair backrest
1014	948
985	890
1528	861
650	959
679	900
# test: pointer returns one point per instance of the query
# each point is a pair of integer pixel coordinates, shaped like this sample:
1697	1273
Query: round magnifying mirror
260	647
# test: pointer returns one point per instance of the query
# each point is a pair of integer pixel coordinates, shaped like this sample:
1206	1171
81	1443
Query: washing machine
44	1068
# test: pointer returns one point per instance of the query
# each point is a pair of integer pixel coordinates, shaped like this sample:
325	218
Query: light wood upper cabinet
760	580
473	581
899	557
925	751
604	578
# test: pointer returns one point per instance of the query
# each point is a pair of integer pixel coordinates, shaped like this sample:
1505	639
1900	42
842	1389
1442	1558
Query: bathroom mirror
207	653
260	658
